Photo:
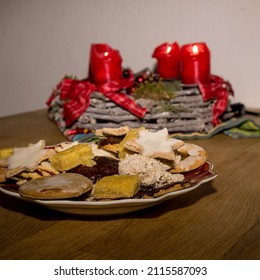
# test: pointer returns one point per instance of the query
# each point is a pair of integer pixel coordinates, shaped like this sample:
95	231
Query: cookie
156	144
123	151
109	144
5	153
65	145
105	166
65	185
45	167
30	175
72	157
152	172
27	158
117	186
2	174
162	191
100	151
107	131
192	157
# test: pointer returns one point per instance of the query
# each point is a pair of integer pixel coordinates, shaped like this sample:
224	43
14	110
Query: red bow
218	89
76	94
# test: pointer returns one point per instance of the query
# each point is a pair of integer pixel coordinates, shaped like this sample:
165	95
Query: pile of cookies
123	163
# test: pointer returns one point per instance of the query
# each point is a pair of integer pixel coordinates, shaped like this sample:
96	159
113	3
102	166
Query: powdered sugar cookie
151	171
27	158
156	144
64	185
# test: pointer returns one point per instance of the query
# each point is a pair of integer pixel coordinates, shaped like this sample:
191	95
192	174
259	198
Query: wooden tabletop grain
219	220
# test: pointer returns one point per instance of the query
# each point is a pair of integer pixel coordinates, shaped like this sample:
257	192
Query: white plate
121	206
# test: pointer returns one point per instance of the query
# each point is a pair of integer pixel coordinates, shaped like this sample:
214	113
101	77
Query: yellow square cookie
117	186
72	157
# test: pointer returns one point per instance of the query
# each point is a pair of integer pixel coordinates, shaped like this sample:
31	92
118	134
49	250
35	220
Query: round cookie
64	185
192	157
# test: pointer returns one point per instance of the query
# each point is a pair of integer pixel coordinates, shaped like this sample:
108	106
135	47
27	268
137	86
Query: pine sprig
153	88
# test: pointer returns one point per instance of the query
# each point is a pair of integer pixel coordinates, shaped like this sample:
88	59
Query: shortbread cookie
192	157
2	174
30	175
156	144
65	145
117	186
65	185
102	152
120	131
45	167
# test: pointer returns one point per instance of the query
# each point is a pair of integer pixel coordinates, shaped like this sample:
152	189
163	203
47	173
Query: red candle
168	60
195	63
105	64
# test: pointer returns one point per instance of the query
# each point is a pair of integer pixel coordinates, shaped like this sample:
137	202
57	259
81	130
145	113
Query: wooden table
219	220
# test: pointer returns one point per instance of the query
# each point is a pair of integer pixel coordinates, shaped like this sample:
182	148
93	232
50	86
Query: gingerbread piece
65	185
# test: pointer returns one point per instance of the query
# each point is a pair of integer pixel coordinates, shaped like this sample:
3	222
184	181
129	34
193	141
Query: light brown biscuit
192	157
102	152
30	175
133	146
64	185
45	166
110	148
107	131
64	146
131	135
2	174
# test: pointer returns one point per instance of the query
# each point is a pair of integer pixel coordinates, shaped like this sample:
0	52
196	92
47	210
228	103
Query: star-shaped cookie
154	144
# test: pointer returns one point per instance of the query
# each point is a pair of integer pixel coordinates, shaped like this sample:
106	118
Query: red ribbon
76	94
218	89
